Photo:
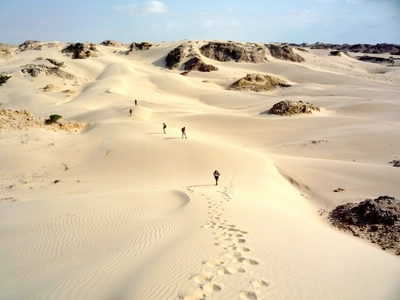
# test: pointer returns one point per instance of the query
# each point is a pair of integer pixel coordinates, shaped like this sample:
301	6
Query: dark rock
196	64
289	108
284	52
395	163
257	83
4	78
81	50
178	55
111	43
377	220
140	46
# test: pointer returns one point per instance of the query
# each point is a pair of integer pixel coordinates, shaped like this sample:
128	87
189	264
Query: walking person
135	102
184	132
216	176
164	127
130	112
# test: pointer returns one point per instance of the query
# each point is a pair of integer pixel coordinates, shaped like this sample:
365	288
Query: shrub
53	119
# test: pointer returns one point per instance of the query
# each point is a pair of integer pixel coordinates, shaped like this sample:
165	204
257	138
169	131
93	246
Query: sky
127	21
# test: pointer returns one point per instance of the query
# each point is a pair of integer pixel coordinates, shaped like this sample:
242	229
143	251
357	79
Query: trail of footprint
232	240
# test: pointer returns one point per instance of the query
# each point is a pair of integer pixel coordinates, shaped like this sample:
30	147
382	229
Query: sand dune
121	210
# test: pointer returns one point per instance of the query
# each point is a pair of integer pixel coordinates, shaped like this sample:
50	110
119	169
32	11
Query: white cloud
149	7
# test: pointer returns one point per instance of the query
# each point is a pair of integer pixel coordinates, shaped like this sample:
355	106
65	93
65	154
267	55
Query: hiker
184	132
135	102
164	127
216	176
130	112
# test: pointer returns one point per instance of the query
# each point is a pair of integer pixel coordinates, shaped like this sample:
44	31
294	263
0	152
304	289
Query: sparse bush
53	119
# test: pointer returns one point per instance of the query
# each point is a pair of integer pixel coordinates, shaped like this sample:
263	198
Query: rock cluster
377	220
35	70
393	49
140	46
81	50
289	108
237	52
30	45
395	163
225	52
23	120
257	83
378	60
111	43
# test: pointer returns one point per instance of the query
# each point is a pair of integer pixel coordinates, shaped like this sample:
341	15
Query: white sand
136	213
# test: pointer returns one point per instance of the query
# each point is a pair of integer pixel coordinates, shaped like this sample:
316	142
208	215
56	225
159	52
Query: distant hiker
216	176
164	127
184	132
130	112
135	102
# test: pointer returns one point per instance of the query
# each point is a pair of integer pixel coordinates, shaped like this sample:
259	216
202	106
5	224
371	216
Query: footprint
211	287
242	249
248	295
226	245
234	255
230	270
192	296
239	241
258	283
203	277
246	261
213	263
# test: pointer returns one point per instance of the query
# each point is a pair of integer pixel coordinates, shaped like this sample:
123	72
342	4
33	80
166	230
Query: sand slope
122	211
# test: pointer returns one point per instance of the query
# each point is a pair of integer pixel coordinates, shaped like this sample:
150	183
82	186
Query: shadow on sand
197	185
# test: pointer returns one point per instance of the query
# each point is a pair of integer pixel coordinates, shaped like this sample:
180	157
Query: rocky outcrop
140	46
22	119
377	220
237	52
392	49
197	64
178	55
81	50
284	52
34	71
30	45
379	60
4	77
257	83
111	43
289	108
395	163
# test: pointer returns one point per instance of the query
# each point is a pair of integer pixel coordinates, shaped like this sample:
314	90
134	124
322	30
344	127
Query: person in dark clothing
216	176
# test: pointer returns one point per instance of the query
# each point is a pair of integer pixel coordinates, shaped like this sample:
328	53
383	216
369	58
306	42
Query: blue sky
297	21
